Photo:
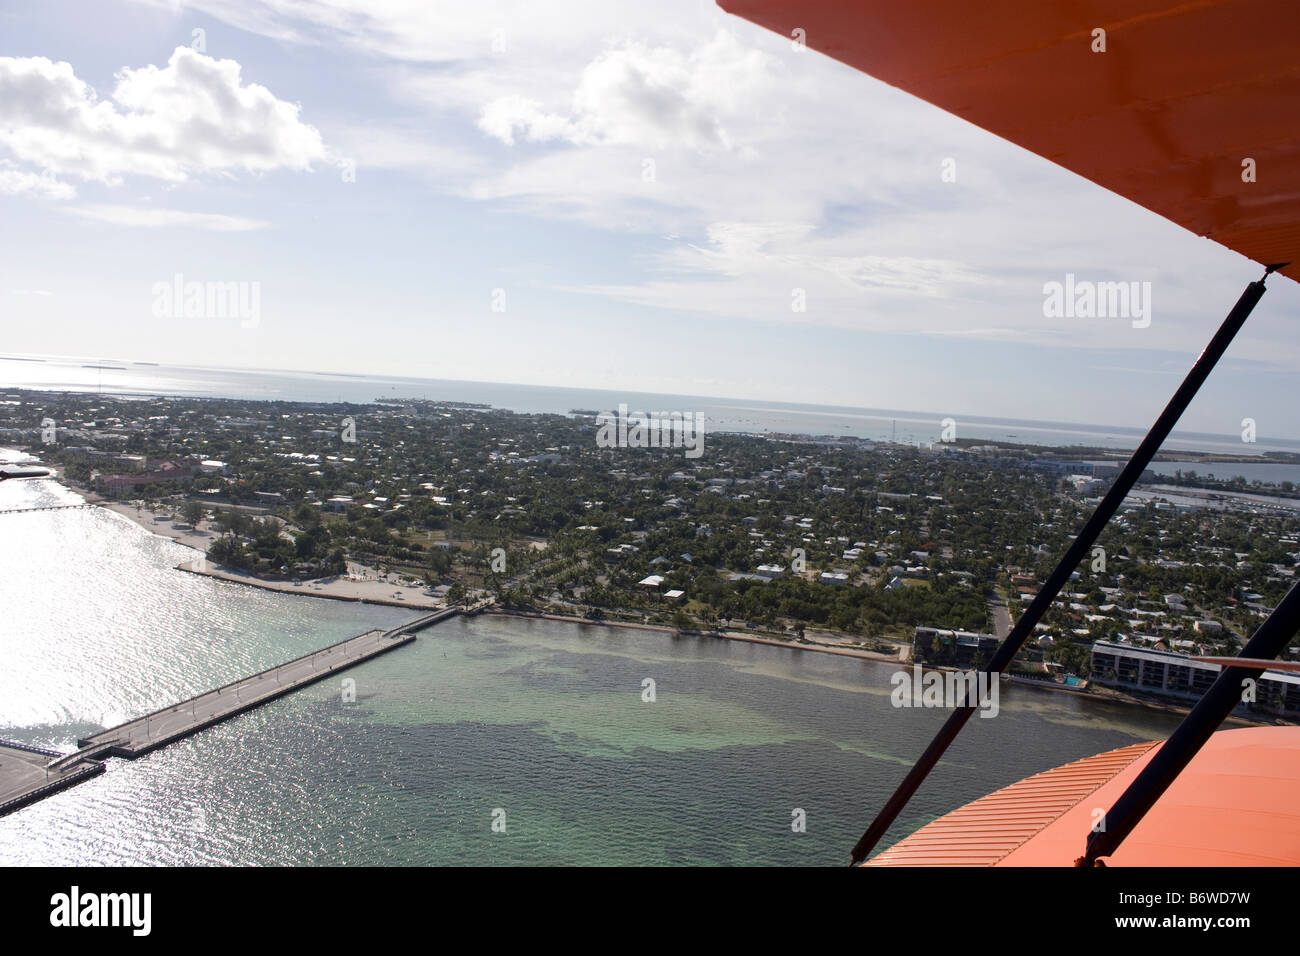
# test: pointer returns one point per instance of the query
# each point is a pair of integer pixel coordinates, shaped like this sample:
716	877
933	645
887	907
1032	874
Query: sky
643	197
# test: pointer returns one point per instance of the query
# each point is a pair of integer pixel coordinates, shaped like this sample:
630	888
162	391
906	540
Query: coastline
334	589
360	588
383	592
157	524
394	595
693	632
734	414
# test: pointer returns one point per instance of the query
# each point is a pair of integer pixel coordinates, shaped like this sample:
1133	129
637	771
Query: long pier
19	511
28	773
162	727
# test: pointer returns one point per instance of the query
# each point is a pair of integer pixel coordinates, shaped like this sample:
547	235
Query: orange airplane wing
1190	111
1234	805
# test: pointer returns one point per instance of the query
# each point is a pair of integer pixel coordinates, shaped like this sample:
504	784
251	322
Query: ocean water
729	415
539	724
1270	473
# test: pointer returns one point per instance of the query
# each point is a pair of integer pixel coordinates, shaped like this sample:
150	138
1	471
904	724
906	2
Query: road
1001	617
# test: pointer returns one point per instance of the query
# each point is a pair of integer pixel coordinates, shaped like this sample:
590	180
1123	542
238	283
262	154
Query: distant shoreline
739	416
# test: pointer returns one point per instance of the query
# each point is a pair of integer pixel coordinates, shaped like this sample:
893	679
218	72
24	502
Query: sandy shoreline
724	635
196	538
335	588
362	586
386	592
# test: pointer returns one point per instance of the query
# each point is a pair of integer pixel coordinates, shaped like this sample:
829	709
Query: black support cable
1203	720
1007	650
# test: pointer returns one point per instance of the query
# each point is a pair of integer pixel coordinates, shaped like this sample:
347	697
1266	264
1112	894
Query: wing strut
1124	483
1202	721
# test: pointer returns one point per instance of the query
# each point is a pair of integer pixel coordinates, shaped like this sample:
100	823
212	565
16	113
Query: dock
162	727
20	511
29	773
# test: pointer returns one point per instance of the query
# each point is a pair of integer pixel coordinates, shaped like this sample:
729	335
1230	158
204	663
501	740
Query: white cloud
191	117
159	218
441	31
778	272
780	169
409	145
504	115
785	250
18	182
657	97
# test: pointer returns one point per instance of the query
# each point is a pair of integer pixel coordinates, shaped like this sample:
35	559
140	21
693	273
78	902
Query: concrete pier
144	734
29	773
20	511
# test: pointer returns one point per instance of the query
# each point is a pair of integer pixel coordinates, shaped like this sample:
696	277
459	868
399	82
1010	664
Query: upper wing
1189	101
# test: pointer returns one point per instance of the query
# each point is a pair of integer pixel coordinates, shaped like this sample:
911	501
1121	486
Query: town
922	554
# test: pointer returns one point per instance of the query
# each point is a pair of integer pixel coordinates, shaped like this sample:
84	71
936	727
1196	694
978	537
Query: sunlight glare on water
542	719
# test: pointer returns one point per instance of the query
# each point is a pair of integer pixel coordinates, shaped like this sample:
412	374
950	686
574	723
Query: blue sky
509	147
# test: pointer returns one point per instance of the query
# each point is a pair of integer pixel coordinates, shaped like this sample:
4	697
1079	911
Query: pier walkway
28	773
19	511
144	734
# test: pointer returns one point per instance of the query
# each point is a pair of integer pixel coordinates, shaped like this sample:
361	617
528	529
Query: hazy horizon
522	397
666	200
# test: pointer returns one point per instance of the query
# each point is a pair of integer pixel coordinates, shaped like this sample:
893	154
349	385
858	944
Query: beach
362	584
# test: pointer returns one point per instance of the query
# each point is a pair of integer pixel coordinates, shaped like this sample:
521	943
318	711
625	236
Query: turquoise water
542	720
